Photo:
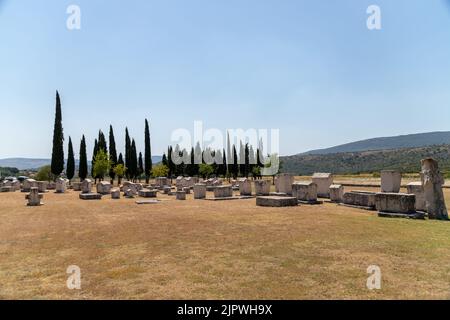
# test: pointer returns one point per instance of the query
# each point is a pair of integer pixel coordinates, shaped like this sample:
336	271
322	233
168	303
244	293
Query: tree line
133	165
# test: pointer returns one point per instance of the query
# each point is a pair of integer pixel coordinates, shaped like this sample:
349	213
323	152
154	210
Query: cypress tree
235	163
57	164
140	166
134	160
224	165
127	153
164	160
83	167
148	153
70	170
112	154
94	153
102	142
169	161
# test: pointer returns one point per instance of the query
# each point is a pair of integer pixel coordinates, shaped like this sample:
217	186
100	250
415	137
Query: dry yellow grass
199	249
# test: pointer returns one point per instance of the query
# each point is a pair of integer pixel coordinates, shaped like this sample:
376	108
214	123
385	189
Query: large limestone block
272	201
42	186
416	189
360	198
432	181
115	193
199	191
305	191
245	187
90	196
395	202
181	195
223	191
283	183
390	181
147	193
86	186
60	186
34	197
262	187
28	184
336	193
323	182
104	187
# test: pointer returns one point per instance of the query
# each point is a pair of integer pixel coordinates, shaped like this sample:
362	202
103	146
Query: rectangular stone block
147	193
181	195
323	182
199	191
416	189
269	201
245	187
262	187
104	187
395	202
283	183
390	181
336	192
90	196
305	191
223	191
360	198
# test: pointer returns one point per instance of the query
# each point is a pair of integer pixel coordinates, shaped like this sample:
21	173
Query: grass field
198	249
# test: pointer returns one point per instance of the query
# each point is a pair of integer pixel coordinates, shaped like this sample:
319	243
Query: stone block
270	201
262	187
336	193
223	191
245	187
181	195
104	187
395	202
305	191
90	196
390	181
323	182
199	191
283	183
416	189
147	193
360	199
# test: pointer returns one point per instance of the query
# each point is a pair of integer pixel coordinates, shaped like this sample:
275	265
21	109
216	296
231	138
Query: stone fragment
323	182
336	193
432	181
273	201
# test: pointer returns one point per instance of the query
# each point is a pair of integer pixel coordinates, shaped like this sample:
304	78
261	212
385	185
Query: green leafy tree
45	174
70	170
160	170
120	162
102	164
206	170
83	167
147	153
119	171
57	163
112	154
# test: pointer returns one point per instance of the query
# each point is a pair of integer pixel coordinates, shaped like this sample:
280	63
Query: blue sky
309	68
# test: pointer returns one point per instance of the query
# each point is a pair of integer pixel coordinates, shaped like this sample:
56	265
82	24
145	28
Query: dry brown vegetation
198	249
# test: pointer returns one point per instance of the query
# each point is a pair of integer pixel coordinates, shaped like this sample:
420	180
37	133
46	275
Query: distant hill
405	160
28	163
386	143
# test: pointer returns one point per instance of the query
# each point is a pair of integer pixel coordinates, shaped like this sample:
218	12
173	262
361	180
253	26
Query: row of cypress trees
136	165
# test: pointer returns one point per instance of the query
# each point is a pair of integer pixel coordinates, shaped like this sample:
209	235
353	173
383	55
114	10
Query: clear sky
309	68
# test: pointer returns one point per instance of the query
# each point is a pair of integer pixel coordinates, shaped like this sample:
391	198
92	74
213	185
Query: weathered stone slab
76	186
270	201
115	193
60	186
199	191
42	186
223	191
86	186
181	195
432	181
323	182
416	215
390	181
7	189
147	193
147	201
28	184
90	196
336	193
305	191
245	187
395	202
364	199
187	190
262	187
283	183
34	197
167	189
104	187
416	189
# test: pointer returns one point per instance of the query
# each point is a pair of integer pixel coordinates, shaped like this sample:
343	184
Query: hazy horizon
312	70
